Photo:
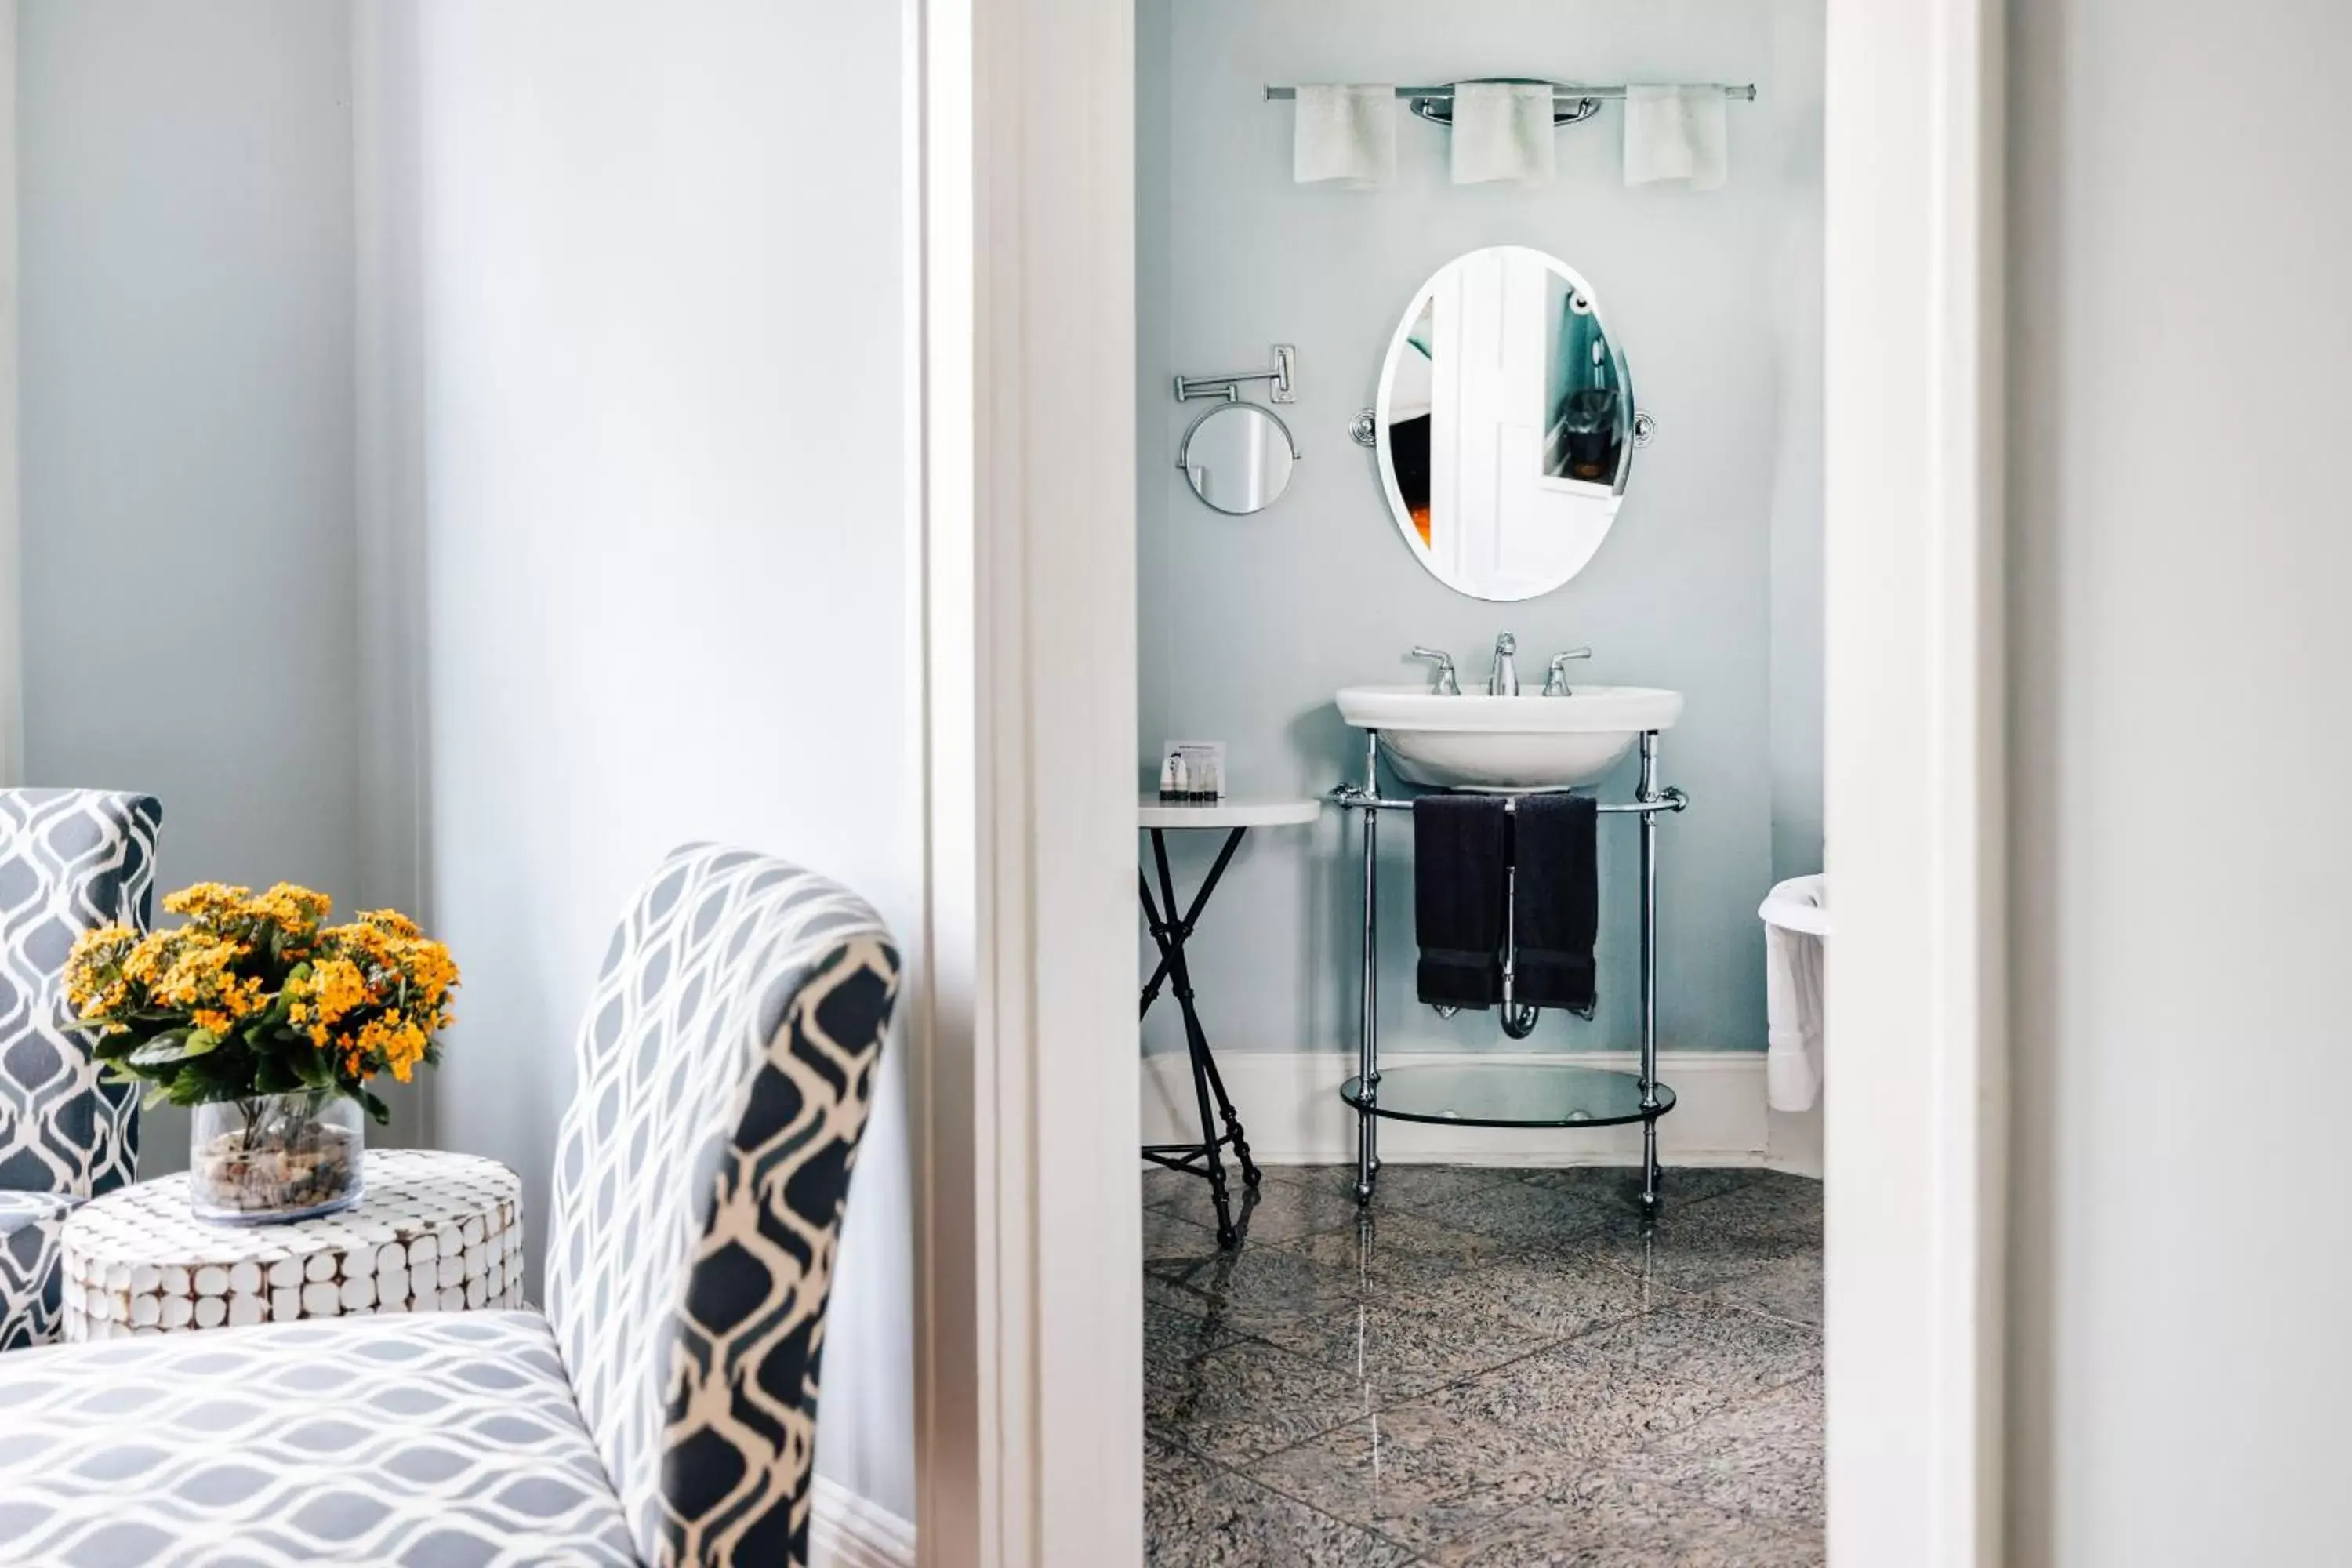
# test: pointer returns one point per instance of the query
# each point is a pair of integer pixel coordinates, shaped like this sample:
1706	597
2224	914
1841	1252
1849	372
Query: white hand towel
1796	919
1502	132
1345	134
1676	133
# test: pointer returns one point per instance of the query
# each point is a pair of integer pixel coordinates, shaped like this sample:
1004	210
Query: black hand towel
1461	858
1556	901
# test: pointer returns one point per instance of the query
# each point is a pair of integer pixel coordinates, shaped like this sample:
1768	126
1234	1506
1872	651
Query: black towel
1460	856
1556	901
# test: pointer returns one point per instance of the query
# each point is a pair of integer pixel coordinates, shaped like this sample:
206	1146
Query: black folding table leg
1232	1121
1196	1043
1169	934
1183	928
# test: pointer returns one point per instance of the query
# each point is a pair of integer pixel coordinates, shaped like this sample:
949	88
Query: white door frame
1030	1348
1029	1422
1914	1151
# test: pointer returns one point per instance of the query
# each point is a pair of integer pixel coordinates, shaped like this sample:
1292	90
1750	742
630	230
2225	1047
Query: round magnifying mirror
1505	426
1238	457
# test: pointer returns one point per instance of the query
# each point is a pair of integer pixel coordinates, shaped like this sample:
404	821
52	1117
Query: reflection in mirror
1503	424
1238	457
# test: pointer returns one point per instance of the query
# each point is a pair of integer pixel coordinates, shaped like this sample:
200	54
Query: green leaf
378	1112
175	1045
271	1075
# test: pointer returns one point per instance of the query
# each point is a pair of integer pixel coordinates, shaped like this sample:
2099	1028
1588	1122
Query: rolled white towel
1676	133
1502	131
1796	919
1345	134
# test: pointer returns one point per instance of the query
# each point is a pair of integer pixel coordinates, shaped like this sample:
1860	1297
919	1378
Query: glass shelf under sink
1510	1094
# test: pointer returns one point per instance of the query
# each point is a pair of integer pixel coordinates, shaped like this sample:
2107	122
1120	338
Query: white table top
1238	812
409	1191
435	1231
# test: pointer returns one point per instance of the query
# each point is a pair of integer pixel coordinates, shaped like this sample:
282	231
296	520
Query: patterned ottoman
437	1232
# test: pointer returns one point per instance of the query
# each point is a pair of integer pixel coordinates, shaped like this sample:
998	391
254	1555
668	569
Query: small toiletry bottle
1172	778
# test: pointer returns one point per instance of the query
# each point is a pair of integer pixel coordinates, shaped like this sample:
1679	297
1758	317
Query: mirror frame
1397	342
1184	448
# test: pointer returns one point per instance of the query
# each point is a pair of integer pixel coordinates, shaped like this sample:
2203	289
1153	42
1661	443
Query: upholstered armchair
662	1409
70	859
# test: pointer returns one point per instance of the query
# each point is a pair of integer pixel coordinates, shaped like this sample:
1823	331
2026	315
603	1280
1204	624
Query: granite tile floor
1499	1368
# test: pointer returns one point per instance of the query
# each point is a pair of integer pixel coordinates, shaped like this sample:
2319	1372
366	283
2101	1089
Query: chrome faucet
1556	677
1504	679
1447	685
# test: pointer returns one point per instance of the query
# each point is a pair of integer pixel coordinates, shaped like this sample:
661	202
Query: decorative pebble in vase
276	1157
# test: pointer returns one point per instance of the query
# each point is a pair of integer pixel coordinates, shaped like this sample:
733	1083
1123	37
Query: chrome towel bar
1355	797
1568	91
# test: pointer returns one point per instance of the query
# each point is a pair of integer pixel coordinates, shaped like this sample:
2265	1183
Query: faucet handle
1447	685
1556	677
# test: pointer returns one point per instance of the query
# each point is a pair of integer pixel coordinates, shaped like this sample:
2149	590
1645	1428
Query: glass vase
275	1157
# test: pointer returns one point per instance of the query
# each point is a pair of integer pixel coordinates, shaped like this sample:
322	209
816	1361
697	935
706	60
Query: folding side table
1169	932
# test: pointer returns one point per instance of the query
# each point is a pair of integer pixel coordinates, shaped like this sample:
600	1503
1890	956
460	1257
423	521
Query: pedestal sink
1507	744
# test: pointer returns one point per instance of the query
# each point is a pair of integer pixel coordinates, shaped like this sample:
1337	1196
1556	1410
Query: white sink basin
1503	743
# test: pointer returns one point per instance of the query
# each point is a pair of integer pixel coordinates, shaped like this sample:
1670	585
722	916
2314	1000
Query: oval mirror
1504	424
1238	457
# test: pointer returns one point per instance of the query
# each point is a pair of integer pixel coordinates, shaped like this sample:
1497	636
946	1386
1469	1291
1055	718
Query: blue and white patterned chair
663	1410
70	859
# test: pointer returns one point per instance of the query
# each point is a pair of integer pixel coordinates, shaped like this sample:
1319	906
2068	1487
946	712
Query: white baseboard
1796	1142
847	1532
1289	1105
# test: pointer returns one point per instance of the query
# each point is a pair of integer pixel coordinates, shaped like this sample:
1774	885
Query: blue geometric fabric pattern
427	1440
664	1410
32	1276
725	1073
70	859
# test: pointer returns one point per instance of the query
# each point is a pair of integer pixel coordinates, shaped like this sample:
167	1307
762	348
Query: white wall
188	533
649	448
2179	398
1710	581
12	684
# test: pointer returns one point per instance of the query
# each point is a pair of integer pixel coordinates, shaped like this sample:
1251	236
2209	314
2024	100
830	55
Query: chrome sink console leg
1655	1102
1649	820
1368	1061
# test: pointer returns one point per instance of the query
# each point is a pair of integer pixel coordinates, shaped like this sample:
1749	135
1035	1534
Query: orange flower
263	975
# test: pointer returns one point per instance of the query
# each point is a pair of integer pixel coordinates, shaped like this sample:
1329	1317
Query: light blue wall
1708	583
188	554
